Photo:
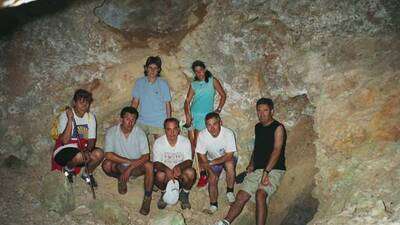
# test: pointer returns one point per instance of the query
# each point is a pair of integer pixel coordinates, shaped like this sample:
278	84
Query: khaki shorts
151	130
252	180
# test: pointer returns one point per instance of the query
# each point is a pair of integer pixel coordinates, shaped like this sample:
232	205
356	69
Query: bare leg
96	157
213	186
230	173
148	176
236	208
188	177
261	207
161	180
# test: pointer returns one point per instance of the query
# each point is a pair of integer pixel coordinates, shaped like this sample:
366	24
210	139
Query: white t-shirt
132	147
171	155
86	125
216	147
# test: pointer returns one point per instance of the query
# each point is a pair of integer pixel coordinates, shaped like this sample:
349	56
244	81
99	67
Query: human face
172	131
213	126
152	70
127	122
200	72
264	113
81	106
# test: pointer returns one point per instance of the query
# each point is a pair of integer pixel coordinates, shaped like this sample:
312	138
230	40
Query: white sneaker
211	210
222	222
230	196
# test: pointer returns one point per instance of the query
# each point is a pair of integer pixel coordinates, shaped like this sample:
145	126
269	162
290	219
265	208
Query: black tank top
264	145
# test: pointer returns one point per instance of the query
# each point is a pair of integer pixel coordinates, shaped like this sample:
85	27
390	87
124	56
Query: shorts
252	180
151	129
65	153
218	168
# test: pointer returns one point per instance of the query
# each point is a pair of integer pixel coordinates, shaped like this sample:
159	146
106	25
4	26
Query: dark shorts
218	168
63	155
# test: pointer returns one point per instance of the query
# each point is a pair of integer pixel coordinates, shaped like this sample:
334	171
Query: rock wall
331	67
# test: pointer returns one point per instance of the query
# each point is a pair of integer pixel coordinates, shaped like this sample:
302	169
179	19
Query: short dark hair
153	60
201	64
83	94
171	119
265	101
129	109
213	115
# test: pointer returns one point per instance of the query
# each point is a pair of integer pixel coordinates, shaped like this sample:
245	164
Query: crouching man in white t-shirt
127	154
172	159
216	148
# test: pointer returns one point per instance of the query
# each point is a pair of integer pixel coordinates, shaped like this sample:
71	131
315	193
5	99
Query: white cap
171	195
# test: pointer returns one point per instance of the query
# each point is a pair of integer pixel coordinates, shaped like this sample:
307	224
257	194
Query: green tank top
203	99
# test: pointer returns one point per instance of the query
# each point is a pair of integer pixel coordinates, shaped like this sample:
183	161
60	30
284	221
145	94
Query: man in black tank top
266	167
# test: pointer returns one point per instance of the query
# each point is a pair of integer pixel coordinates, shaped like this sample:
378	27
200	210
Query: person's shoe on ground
184	198
231	197
161	204
89	179
69	174
145	209
122	187
222	222
211	209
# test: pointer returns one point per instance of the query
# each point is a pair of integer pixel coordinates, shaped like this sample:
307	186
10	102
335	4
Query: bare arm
279	135
250	167
226	157
188	100
221	92
168	109
65	136
135	103
203	161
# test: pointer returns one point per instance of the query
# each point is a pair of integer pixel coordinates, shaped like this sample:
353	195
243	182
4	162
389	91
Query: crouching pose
172	157
266	167
77	139
127	154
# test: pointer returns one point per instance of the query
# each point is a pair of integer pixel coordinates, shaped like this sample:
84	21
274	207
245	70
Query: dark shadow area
14	17
301	211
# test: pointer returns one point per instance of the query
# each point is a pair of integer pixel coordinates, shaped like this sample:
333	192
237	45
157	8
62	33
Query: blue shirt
152	100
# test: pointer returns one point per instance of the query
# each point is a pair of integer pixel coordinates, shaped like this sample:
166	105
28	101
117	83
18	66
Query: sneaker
184	198
161	204
89	179
222	222
202	181
231	197
211	210
122	187
145	209
69	174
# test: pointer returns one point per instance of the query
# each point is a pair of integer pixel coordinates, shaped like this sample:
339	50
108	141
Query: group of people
126	152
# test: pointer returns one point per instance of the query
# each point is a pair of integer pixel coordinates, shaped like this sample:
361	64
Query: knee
160	177
106	166
190	173
261	195
97	154
229	166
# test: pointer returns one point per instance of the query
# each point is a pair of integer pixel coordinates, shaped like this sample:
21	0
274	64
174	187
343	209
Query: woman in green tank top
200	100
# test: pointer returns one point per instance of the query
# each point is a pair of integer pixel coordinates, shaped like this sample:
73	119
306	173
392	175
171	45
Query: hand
70	113
189	120
125	175
250	168
176	172
265	179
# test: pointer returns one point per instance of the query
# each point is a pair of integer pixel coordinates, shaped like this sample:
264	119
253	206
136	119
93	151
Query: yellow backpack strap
54	124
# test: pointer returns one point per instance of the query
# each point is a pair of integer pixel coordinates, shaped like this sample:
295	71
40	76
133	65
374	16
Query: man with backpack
75	145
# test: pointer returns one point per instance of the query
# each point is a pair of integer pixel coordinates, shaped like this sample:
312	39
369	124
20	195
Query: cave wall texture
332	68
